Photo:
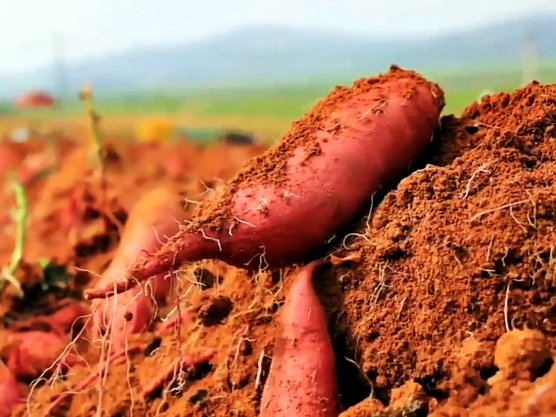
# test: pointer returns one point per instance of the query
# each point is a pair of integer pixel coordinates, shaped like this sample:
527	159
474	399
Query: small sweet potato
154	217
10	391
65	318
302	377
60	321
31	353
291	200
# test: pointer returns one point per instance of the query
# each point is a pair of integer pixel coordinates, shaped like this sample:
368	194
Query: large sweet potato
297	195
302	379
154	218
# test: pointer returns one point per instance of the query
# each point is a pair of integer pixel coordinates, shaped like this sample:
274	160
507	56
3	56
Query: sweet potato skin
302	379
326	190
368	143
154	217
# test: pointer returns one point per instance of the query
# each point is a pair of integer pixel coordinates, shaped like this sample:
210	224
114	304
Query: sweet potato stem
20	219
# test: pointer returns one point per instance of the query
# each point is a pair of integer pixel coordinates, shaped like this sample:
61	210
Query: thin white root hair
517	221
235	222
364	375
88	271
194	283
489	249
365	238
263	264
506	307
380	286
55	368
262	259
259	369
367	226
212	238
367	222
242	337
505	206
180	379
257	292
148	291
532	219
207	188
237	219
377	106
156	235
482	168
189	201
331	239
402	304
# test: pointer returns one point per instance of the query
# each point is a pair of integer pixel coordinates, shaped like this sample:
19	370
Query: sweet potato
31	353
154	217
10	391
64	319
324	171
60	321
32	346
302	378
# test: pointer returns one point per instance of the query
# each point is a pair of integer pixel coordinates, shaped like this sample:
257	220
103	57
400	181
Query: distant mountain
278	53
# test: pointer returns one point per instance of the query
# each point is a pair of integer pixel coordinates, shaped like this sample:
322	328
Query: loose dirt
441	303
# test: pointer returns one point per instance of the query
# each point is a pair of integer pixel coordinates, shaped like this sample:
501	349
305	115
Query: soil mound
461	252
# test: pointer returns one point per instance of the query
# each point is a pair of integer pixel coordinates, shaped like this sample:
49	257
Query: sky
96	27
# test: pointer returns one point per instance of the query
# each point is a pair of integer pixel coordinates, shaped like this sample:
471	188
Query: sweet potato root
302	378
153	219
296	196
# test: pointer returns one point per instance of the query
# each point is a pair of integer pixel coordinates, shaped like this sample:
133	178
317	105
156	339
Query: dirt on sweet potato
271	167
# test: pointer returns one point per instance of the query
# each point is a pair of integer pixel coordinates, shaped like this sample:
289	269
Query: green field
270	109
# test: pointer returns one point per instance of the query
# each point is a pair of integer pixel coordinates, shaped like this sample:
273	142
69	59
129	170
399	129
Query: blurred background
251	67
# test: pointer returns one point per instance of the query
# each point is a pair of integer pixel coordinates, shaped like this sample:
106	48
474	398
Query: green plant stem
87	97
95	129
20	219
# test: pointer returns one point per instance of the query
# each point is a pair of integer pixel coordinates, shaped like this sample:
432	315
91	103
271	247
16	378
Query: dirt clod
215	309
521	354
409	393
367	407
205	278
